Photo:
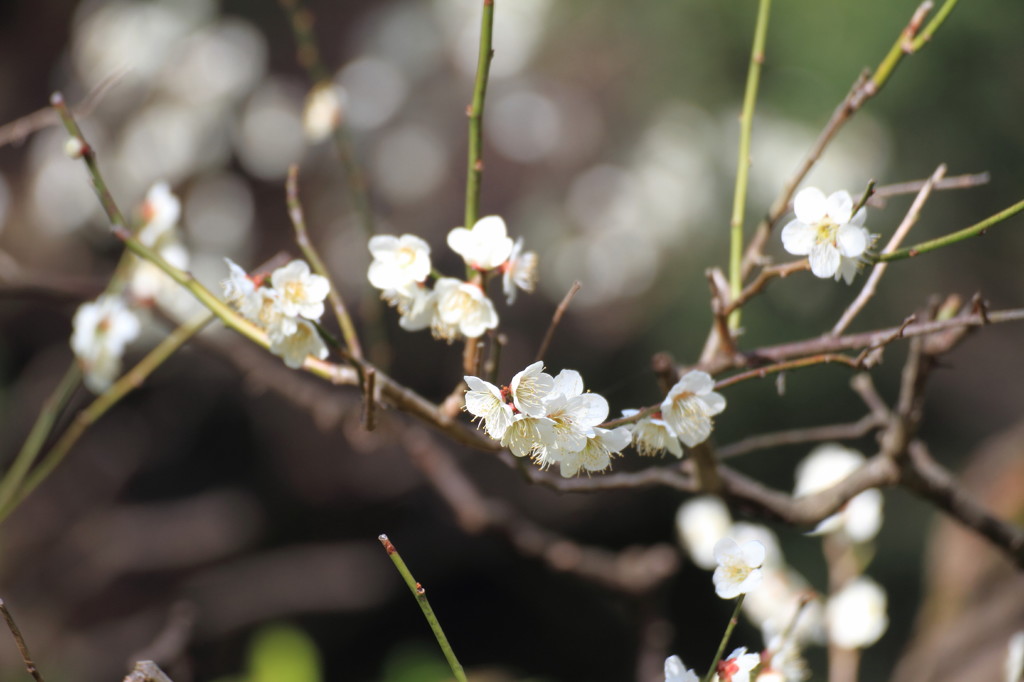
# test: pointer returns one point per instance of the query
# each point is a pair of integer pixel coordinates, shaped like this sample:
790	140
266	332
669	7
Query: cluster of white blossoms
453	308
285	305
161	211
552	420
102	329
829	233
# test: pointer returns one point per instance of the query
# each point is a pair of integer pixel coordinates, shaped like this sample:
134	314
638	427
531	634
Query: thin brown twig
555	319
634	570
370	399
295	212
26	657
767	274
881	194
17	130
810	434
871	285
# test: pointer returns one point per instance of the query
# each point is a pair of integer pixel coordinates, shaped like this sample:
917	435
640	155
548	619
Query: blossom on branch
486	401
304	340
484	247
653	436
857	615
739	567
101	330
398	261
860	519
690	405
675	671
828	232
737	666
519	272
462	309
302	292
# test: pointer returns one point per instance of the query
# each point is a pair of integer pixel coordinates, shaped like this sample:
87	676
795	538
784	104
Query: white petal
383	244
715	402
798	238
568	383
588	409
852	240
696	382
461	241
824	260
840	206
810	205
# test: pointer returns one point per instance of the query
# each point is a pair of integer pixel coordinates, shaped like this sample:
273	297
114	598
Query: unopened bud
74	148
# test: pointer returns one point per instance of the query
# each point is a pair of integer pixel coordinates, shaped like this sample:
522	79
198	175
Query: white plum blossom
574	415
323	111
700	523
596	452
303	341
785	663
775	603
238	286
530	388
828	233
519	272
1014	663
857	615
737	666
161	211
486	401
739	567
398	261
861	518
528	436
302	292
484	247
690	405
675	671
462	308
417	306
653	436
284	310
101	330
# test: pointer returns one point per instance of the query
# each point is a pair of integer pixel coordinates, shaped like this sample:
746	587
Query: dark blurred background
229	493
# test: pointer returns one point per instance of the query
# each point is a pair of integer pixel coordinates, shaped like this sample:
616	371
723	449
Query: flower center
406	256
827	231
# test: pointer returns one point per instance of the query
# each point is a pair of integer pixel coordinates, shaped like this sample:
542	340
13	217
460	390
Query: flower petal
810	205
798	238
824	260
839	206
852	240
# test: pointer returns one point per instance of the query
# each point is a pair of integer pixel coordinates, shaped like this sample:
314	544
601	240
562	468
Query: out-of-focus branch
147	671
636	570
556	318
16	131
811	434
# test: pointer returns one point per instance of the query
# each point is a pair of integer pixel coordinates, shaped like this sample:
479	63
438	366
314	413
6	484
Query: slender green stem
739	200
926	34
710	675
428	613
52	408
955	237
308	56
295	212
475	112
98	407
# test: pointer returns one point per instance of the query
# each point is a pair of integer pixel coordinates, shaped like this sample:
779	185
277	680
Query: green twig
710	675
959	236
295	212
102	404
739	200
52	408
308	56
933	25
424	604
475	112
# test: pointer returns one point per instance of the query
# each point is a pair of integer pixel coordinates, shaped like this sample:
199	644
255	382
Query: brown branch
26	657
556	318
931	481
812	434
635	570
